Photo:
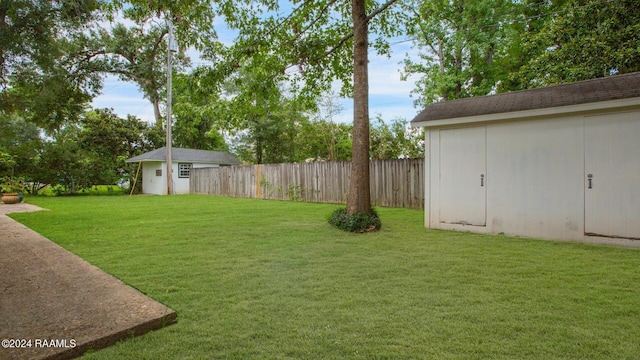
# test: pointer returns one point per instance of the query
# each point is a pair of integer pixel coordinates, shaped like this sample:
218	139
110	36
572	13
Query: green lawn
272	280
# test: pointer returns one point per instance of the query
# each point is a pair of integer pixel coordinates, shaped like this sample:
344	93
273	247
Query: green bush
358	222
95	190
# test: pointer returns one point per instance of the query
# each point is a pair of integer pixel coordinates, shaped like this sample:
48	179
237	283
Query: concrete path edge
47	292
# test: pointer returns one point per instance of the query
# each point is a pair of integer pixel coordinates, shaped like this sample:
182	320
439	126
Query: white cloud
125	99
389	96
388	111
385	75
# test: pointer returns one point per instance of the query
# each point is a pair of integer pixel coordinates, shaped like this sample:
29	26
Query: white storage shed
154	167
561	162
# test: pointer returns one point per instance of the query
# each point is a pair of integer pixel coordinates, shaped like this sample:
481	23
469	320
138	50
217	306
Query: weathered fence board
394	183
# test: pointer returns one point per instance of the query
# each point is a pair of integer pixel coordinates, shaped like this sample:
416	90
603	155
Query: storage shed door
612	175
463	176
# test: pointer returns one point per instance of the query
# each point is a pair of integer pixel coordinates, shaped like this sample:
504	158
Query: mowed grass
255	279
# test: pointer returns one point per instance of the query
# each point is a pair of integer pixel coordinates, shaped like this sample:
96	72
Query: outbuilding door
463	176
612	175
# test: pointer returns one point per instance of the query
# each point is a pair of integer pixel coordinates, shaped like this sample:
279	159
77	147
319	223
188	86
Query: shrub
12	185
358	222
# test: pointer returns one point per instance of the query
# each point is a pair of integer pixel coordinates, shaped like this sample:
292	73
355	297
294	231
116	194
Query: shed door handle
590	181
481	179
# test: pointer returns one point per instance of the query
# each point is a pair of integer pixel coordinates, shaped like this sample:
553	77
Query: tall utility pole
170	50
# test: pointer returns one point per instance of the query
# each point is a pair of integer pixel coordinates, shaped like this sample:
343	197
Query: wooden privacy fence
394	183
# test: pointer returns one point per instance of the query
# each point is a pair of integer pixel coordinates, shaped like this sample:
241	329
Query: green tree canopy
138	52
464	47
198	112
44	72
395	140
585	39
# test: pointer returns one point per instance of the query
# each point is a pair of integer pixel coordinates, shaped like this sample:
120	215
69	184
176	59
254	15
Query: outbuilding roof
188	155
615	87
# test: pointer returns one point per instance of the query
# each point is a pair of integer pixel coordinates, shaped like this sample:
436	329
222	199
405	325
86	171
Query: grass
95	190
273	280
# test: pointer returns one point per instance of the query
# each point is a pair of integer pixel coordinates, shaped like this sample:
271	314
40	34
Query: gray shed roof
589	91
188	155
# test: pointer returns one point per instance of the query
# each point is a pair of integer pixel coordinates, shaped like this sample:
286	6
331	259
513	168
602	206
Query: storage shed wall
152	184
532	179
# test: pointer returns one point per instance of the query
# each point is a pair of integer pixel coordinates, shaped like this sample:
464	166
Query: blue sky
388	95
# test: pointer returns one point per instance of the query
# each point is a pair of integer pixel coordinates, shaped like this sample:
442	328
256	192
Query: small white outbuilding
154	167
561	162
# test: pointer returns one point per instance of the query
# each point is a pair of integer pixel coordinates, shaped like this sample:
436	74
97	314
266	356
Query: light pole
171	49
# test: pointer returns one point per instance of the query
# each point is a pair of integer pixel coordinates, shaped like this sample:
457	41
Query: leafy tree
585	39
395	140
42	162
198	109
7	163
261	114
279	132
138	53
64	162
475	48
271	135
43	72
76	156
109	140
19	144
323	41
532	15
30	30
463	47
333	136
322	139
15	131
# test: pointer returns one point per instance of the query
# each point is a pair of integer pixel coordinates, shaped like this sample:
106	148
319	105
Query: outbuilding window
184	170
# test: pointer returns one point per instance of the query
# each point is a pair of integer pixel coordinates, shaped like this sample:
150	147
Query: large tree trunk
258	151
359	199
156	110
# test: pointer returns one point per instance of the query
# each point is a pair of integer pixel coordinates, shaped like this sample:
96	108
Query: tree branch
339	44
159	40
380	9
350	35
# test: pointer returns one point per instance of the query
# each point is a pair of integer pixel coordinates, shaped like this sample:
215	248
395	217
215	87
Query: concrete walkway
55	305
